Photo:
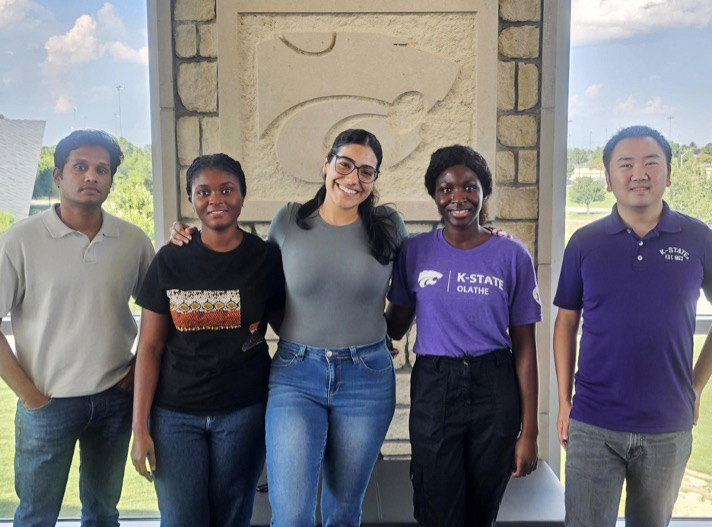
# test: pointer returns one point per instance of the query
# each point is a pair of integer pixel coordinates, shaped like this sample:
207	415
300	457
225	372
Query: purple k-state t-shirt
465	299
639	298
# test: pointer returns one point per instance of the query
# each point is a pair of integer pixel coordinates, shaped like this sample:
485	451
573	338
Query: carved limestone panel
289	82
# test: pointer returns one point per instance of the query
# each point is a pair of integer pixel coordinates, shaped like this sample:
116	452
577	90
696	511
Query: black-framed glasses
345	165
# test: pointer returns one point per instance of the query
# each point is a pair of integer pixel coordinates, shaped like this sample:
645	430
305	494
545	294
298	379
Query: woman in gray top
332	384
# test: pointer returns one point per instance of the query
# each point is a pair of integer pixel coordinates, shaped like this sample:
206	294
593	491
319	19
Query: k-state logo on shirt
675	254
426	278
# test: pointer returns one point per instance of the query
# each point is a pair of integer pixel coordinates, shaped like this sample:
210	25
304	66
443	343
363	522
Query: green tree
6	219
690	191
587	190
131	200
44	182
575	158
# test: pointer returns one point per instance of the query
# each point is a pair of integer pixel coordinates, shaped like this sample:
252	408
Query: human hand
525	456
499	232
127	382
562	423
35	401
181	233
143	450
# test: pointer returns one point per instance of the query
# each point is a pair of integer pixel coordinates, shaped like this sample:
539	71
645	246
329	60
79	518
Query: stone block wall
516	165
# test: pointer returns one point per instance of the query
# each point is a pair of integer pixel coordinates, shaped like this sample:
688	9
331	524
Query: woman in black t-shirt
202	362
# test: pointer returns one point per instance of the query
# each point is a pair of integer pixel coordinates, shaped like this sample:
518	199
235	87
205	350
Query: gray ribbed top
336	289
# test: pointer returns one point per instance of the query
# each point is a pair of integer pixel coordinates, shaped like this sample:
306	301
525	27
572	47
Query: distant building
584	171
20	144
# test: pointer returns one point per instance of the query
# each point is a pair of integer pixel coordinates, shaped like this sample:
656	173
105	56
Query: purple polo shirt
465	299
639	298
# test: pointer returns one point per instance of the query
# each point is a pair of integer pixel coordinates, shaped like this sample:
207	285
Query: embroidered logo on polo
426	278
675	254
197	310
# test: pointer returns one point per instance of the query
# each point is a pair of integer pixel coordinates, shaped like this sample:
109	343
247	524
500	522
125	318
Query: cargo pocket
419	503
508	419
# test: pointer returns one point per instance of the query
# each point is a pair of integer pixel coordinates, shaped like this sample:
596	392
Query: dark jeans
207	467
464	423
44	446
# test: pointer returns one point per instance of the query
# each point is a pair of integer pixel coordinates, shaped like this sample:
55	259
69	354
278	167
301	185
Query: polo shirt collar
669	221
58	229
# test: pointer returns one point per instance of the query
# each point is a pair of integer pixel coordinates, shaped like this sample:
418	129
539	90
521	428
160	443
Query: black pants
464	423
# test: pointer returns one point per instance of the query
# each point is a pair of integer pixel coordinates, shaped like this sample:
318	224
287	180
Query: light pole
670	118
118	92
75	117
683	154
116	124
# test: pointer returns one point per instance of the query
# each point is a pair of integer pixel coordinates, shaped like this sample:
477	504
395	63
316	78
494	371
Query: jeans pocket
39	408
377	362
283	358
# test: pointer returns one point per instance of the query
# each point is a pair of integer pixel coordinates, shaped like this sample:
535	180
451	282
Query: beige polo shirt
68	298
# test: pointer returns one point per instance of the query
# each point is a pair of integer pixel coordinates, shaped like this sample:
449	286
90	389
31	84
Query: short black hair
79	138
454	155
221	161
635	131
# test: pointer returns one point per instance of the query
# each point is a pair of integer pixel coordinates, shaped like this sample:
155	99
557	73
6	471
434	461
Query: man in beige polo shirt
66	276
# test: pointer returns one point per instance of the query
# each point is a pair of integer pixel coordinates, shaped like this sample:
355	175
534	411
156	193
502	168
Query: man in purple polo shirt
636	275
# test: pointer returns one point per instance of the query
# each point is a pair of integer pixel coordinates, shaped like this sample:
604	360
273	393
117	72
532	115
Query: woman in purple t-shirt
474	388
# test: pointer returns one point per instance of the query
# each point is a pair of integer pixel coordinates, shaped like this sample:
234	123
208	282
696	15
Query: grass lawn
138	497
606	203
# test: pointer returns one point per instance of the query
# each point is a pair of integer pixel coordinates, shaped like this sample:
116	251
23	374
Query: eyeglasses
345	165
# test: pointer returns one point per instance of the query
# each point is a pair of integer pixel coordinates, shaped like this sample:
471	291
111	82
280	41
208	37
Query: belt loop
437	364
354	356
301	352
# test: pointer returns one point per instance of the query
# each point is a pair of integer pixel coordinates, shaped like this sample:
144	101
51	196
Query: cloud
593	90
626	105
20	12
63	104
654	106
76	46
83	42
574	105
110	21
123	53
594	21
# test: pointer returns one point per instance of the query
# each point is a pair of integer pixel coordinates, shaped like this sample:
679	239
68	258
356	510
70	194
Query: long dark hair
379	221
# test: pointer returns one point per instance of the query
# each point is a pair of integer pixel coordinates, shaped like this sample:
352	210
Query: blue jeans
45	439
207	467
329	407
599	459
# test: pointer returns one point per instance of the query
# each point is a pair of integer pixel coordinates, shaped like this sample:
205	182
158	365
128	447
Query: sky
62	60
632	62
640	62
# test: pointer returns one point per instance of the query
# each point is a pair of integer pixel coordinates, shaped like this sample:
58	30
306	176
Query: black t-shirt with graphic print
215	360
